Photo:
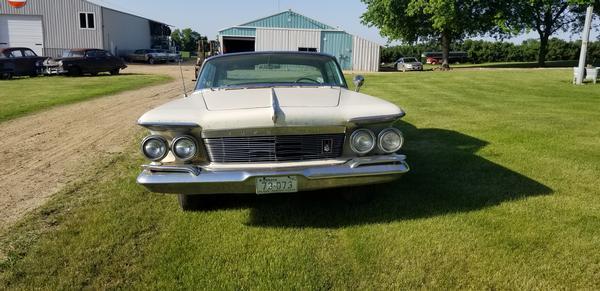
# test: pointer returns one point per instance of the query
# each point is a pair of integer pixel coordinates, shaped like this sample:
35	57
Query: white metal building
290	31
51	26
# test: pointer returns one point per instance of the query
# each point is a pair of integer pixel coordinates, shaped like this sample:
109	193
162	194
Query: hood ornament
274	106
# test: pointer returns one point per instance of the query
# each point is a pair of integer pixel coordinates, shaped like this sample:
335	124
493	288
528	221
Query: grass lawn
504	193
22	96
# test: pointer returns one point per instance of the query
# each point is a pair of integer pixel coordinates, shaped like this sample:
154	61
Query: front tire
187	202
115	72
151	61
358	195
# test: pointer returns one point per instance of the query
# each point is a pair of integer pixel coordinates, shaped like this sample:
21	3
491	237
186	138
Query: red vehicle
435	58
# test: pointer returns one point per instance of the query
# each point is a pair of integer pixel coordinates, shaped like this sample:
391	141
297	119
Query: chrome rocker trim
196	180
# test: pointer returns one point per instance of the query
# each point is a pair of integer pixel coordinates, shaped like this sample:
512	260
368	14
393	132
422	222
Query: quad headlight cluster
363	141
156	148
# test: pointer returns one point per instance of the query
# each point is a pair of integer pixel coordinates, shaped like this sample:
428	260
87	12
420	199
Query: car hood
264	97
249	109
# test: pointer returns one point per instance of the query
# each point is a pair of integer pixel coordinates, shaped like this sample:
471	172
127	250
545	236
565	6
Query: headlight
362	141
155	147
184	148
390	140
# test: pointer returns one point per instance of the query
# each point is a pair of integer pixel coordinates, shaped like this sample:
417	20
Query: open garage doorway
238	44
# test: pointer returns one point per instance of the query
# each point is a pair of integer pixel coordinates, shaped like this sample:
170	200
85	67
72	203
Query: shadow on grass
446	177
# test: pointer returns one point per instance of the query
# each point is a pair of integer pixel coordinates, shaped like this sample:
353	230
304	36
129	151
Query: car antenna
182	79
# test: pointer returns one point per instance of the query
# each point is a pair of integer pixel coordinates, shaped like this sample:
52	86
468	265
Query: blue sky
208	17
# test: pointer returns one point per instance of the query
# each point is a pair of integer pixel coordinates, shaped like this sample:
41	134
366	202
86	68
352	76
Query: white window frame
87	24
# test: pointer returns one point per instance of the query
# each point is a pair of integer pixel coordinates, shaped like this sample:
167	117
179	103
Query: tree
186	39
546	17
443	20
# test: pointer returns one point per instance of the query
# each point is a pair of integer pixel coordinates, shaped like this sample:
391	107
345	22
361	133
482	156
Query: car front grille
274	148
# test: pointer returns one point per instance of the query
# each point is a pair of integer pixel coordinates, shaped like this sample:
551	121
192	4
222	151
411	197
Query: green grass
504	193
23	96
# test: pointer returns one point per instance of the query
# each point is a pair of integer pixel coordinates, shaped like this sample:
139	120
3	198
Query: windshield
410	60
270	69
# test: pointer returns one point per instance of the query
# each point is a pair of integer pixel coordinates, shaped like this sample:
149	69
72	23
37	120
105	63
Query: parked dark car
19	61
77	62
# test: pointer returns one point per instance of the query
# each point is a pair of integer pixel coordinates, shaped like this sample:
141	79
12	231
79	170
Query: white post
584	44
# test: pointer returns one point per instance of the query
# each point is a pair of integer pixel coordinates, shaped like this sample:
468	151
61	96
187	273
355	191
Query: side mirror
358	81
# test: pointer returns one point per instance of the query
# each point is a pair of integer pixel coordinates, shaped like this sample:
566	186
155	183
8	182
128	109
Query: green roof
287	19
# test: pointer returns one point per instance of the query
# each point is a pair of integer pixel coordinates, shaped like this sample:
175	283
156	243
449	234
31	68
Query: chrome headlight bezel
355	134
161	140
380	143
179	139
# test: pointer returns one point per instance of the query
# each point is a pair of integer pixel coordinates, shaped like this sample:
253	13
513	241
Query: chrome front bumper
196	180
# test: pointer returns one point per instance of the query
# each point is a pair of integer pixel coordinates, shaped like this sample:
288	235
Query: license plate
268	185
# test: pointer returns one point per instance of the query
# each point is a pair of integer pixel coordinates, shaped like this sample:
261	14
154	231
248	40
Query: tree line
481	51
448	21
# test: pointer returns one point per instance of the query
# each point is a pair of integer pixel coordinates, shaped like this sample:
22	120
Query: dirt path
44	152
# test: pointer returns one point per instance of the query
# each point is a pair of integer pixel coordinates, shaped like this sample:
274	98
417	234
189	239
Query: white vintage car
270	122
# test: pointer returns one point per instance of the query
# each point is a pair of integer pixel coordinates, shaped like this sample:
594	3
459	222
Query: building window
87	20
307	49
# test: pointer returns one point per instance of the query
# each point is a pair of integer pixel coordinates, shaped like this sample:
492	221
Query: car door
30	61
139	55
103	62
20	65
89	63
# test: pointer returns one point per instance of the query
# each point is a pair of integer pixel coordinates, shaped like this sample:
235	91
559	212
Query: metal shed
291	31
51	27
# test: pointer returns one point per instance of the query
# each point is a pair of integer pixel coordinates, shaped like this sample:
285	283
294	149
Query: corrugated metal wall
286	39
366	55
121	41
339	45
288	19
239	31
61	23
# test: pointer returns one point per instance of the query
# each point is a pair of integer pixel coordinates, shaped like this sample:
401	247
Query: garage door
22	31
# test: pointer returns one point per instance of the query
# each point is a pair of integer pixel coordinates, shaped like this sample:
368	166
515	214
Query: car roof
272	53
13	48
85	49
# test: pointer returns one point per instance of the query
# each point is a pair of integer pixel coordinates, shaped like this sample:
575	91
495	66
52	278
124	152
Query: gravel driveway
44	152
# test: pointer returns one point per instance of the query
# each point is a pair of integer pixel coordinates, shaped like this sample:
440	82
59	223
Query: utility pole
584	44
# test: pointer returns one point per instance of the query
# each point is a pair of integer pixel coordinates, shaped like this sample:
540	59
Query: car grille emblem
326	145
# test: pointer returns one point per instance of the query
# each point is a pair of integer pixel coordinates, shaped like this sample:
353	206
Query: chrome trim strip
173	169
165	126
377	119
376	160
274	106
269	131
